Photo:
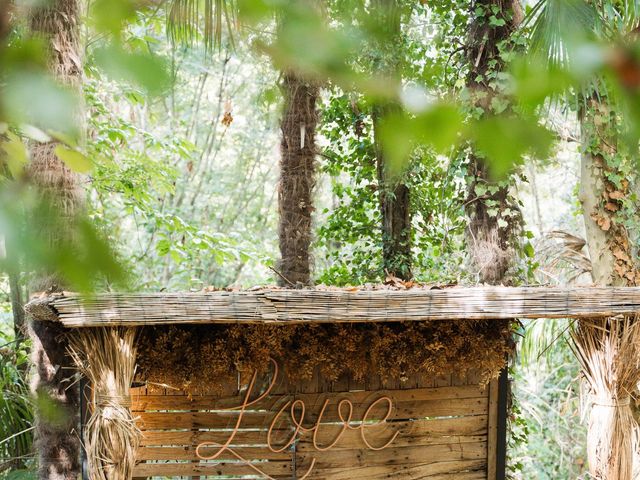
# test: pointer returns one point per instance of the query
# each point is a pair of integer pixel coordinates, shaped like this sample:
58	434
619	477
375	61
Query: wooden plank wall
446	425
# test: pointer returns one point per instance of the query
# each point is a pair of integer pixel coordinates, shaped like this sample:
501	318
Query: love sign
295	411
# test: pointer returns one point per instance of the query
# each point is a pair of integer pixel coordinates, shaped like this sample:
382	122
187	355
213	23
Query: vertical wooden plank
492	430
443	380
373	383
341	384
426	381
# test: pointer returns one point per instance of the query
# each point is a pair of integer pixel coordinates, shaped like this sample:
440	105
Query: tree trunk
57	432
494	220
394	194
603	189
395	209
297	178
610	249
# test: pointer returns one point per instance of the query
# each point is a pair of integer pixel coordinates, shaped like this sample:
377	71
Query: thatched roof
326	305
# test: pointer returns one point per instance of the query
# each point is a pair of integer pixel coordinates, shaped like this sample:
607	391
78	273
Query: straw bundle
608	351
107	357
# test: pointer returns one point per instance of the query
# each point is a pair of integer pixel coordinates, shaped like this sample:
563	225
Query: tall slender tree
494	218
394	193
57	435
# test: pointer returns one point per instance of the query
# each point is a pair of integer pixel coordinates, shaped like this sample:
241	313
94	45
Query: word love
296	410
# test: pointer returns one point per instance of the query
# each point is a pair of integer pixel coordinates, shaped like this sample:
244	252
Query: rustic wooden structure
449	427
447	430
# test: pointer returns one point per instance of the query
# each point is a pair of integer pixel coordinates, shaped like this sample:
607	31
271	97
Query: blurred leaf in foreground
438	127
505	140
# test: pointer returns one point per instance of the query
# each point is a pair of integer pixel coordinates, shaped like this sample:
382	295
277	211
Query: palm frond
557	24
631	15
620	16
191	21
539	338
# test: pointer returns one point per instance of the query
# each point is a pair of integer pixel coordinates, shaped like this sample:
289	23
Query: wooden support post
497	426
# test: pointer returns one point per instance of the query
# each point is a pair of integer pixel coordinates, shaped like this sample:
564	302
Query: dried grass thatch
608	350
107	357
201	358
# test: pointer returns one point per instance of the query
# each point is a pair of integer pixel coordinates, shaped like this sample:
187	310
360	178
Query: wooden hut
319	417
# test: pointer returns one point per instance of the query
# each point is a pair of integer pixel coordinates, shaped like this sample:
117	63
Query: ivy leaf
496	22
74	159
528	250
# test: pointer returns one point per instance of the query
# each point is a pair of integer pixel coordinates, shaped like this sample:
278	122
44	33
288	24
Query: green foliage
16	409
350	232
165	193
546	441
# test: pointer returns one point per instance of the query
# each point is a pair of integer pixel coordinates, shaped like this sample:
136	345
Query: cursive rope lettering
297	411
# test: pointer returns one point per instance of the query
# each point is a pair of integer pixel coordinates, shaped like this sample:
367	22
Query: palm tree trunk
490	232
57	423
297	178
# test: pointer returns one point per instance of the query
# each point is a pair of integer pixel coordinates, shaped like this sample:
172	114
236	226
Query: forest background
180	163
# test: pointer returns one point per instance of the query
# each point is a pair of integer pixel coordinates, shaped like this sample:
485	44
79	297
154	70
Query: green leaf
111	15
528	250
142	69
74	159
16	153
254	11
436	128
496	22
50	410
535	81
37	99
504	140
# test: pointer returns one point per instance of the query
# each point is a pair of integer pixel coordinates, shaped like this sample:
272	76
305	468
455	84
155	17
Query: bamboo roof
327	305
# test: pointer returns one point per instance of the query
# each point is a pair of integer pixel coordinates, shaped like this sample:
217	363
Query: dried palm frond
107	357
608	351
561	257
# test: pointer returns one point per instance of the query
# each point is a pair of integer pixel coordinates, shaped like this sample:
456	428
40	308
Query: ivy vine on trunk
494	218
604	195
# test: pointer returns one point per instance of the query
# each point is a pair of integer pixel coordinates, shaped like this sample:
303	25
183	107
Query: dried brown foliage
202	358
